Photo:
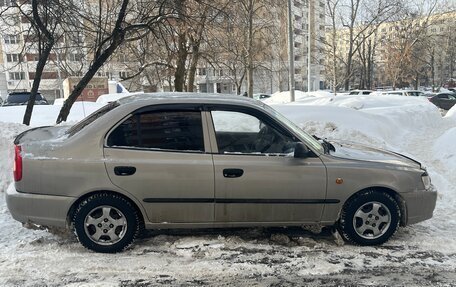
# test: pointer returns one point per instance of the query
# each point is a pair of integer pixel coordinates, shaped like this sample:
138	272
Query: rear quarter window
91	118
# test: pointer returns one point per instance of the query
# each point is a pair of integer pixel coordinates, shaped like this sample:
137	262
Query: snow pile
373	120
284	97
451	114
45	115
444	149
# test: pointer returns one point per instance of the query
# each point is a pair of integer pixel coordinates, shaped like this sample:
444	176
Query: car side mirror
301	150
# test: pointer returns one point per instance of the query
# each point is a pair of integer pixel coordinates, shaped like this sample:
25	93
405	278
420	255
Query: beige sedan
192	161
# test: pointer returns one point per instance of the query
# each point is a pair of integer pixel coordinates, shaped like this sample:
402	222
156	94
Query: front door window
241	133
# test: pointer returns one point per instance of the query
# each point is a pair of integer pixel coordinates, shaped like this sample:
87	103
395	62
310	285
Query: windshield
22	98
92	117
315	144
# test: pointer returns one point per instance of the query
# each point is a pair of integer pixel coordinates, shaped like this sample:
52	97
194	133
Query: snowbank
444	148
451	114
284	97
46	115
372	120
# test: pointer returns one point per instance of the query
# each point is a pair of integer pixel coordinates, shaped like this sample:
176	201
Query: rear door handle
232	172
124	170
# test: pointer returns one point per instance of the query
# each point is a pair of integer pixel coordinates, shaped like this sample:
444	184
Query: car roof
21	93
184	97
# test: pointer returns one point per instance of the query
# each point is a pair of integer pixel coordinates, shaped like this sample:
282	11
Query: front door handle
124	170
232	172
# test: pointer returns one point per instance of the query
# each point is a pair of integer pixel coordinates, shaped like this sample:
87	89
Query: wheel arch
394	194
74	206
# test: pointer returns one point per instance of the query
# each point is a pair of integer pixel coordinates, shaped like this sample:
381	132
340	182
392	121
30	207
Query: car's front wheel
106	223
369	218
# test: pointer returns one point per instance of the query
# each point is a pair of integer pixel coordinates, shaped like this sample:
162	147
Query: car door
159	156
257	179
448	102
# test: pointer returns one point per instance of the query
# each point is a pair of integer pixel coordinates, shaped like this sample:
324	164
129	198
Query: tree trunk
36	81
101	57
179	74
44	55
193	65
250	51
97	64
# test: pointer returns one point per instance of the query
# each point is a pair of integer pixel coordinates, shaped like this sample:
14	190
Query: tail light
17	168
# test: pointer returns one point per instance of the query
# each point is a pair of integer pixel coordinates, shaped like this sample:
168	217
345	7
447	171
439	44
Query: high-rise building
411	52
271	72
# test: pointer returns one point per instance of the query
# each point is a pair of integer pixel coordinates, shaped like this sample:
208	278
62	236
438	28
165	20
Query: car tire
369	218
106	223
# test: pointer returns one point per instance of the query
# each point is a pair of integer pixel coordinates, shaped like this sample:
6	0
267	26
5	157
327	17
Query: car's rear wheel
369	218
106	223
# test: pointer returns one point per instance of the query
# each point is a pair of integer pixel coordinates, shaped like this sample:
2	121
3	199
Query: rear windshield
22	98
92	117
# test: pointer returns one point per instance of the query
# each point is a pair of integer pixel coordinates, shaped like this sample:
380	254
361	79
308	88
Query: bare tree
109	26
44	31
242	40
409	47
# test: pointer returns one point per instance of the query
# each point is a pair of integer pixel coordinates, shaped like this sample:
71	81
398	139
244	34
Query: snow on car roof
189	98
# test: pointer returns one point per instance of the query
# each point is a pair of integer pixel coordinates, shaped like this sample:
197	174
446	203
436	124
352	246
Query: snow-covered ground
419	255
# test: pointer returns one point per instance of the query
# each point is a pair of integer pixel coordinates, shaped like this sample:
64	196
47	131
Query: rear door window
160	130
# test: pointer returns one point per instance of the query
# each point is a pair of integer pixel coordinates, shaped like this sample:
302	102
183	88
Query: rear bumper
420	204
47	210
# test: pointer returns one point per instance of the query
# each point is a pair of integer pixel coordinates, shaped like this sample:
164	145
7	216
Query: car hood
356	151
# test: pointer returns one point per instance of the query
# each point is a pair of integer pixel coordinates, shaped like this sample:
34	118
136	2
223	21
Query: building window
75	57
123	74
8	3
123	58
12	58
16	75
201	71
11	39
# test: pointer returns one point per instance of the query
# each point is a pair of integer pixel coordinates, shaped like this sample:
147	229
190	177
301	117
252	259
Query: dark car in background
21	98
444	100
261	97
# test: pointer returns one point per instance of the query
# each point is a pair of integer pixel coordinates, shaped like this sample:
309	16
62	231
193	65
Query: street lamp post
290	52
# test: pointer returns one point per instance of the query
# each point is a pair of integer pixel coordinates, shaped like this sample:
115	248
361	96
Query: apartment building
271	72
19	57
411	52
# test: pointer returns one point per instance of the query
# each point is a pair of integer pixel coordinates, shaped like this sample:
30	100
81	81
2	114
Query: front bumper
420	204
46	210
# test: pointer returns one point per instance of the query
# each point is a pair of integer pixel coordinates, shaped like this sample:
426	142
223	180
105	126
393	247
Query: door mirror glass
301	150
